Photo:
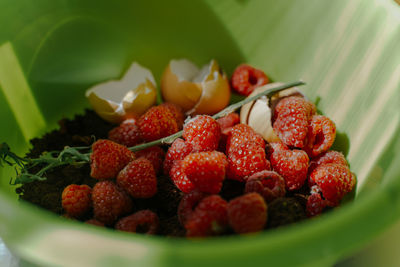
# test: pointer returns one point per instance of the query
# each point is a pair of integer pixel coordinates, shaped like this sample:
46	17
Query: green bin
348	53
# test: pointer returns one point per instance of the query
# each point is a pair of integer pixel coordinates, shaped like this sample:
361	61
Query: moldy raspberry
285	210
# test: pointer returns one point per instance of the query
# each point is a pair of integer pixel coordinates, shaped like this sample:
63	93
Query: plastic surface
346	51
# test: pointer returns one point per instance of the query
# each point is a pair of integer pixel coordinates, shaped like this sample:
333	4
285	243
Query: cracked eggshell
197	91
258	114
132	95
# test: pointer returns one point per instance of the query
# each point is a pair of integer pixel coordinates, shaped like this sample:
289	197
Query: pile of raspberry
201	163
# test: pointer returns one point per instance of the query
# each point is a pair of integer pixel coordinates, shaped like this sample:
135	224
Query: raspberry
155	155
108	158
315	205
333	181
109	202
268	184
157	122
209	217
224	139
187	205
295	100
229	120
245	79
278	146
76	200
246	159
143	221
247	213
179	177
138	178
321	135
177	151
226	123
328	157
292	165
127	133
177	112
203	133
241	133
95	222
291	120
274	146
206	170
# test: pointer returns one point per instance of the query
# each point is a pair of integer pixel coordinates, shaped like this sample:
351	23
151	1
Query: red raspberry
209	218
187	205
157	122
179	177
278	146
203	133
296	100
226	123
229	120
143	221
177	112
321	135
76	200
177	151
155	155
224	139
246	159
108	158
268	184
241	133
291	120
245	79
292	165
274	146
138	178
333	181
315	205
247	213
95	222
110	202
127	133
328	157
206	170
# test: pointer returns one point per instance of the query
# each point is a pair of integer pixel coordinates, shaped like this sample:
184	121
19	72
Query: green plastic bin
348	52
